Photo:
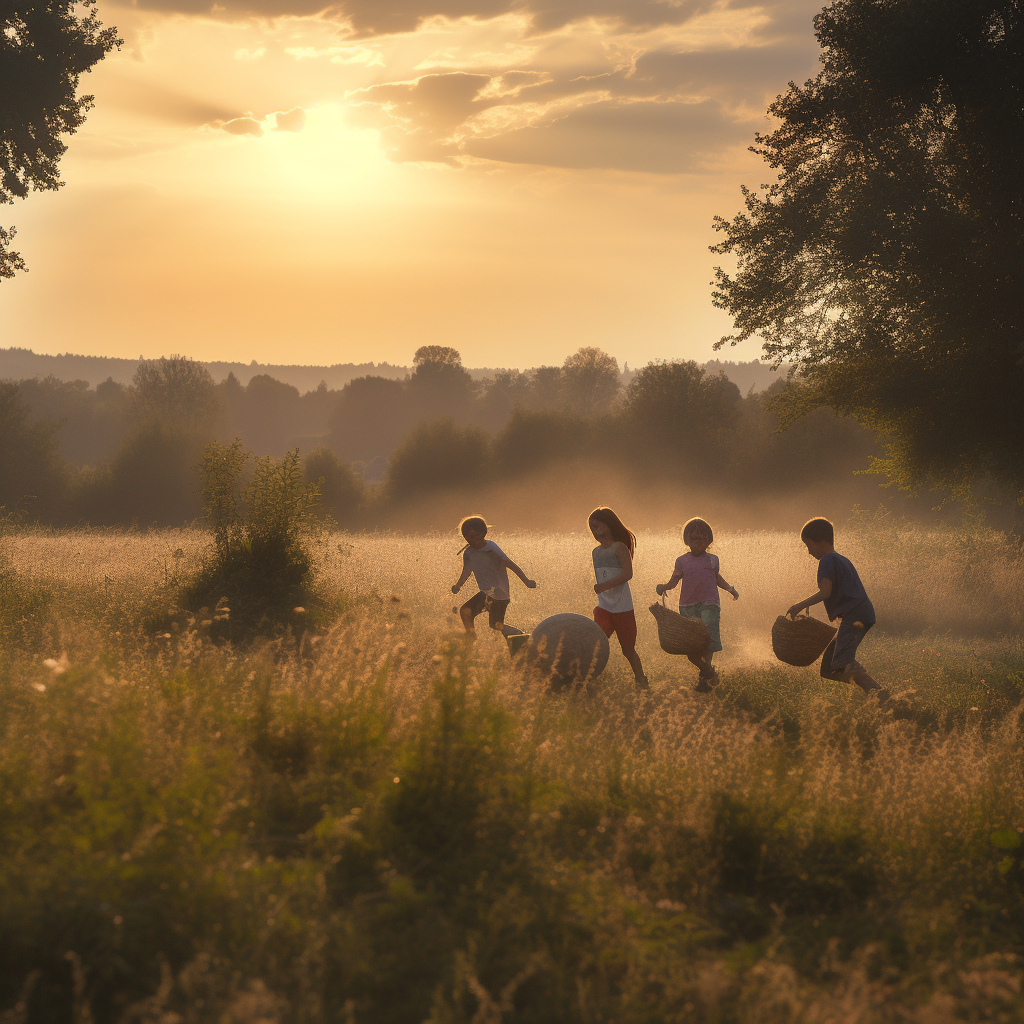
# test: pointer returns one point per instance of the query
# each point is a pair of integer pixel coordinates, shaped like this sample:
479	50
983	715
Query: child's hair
473	523
696	523
605	515
818	529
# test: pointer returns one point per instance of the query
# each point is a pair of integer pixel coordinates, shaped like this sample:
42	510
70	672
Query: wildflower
58	666
41	687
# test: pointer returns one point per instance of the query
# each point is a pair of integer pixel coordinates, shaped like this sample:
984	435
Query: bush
439	454
258	577
341	490
532	440
150	480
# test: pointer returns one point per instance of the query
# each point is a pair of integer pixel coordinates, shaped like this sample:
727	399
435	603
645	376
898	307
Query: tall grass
381	824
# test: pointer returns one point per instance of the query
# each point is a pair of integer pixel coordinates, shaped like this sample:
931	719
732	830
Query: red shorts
622	624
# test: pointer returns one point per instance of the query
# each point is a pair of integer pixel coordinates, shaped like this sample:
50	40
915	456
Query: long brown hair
605	515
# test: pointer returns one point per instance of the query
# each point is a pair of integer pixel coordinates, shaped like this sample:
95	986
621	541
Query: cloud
388	17
434	103
659	137
293	120
241	126
744	73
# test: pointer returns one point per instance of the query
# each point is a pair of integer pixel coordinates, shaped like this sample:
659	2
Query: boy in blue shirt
845	598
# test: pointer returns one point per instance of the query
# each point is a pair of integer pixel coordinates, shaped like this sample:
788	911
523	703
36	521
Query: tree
176	392
32	472
438	355
590	381
370	418
887	259
440	385
439	455
684	410
546	386
45	46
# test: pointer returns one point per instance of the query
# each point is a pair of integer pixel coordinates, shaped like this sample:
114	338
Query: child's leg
845	667
496	616
625	630
471	609
856	673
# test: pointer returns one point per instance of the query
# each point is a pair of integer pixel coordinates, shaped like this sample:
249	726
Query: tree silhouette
45	46
440	385
888	257
177	392
590	381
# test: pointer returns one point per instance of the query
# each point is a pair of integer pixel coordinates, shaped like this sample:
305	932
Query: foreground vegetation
376	823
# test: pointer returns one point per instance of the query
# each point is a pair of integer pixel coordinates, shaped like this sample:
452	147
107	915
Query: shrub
532	440
150	480
439	454
258	577
341	490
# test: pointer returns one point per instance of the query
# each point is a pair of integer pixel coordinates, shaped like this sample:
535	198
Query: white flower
57	666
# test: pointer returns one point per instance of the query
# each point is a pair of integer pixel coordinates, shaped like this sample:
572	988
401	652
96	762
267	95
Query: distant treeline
121	454
23	363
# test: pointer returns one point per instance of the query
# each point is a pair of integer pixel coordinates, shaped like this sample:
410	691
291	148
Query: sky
270	180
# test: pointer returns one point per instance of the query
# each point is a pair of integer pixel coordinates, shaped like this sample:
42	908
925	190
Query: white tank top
606	567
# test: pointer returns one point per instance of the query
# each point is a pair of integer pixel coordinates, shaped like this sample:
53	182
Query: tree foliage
32	474
887	259
178	391
690	414
590	380
45	47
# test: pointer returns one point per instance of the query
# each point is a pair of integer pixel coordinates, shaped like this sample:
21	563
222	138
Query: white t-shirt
606	567
487	565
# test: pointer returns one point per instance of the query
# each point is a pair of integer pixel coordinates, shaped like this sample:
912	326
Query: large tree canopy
888	257
45	45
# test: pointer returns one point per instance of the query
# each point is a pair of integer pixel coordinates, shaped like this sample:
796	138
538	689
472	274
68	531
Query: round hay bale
800	641
568	647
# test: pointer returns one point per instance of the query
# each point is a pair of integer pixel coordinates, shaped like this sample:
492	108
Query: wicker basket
800	641
678	634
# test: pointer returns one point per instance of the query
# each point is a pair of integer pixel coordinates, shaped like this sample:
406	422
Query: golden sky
270	180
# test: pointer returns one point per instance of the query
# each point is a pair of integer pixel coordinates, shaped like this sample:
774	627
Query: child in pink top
699	572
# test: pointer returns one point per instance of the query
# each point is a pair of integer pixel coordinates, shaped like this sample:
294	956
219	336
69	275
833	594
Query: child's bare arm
519	572
824	590
462	579
671	585
623	577
728	587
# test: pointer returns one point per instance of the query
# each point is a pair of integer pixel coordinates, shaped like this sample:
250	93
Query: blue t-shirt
848	592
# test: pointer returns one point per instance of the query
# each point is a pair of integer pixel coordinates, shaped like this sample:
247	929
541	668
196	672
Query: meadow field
369	820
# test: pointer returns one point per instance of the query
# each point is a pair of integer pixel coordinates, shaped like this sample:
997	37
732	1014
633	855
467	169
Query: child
613	566
489	564
845	599
698	596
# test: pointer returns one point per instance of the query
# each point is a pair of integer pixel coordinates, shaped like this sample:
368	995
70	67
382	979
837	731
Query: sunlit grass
378	823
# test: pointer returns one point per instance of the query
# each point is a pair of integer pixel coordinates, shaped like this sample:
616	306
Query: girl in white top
613	566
